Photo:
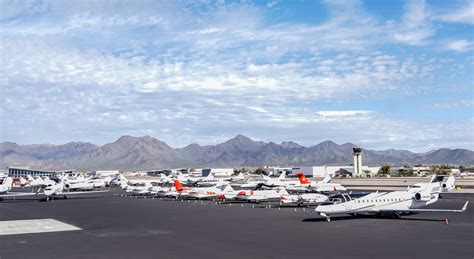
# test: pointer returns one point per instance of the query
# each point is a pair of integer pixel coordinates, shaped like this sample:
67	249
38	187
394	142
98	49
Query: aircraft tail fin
303	179
178	185
8	182
327	179
282	175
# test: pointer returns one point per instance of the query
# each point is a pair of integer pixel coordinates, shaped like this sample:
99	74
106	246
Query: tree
260	171
385	170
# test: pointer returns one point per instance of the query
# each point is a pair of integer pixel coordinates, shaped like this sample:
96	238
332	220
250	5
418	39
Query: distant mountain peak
290	144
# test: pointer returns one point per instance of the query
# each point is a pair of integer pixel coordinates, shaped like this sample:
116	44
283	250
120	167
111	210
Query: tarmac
111	226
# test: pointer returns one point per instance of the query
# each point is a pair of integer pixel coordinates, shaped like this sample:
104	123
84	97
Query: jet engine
422	196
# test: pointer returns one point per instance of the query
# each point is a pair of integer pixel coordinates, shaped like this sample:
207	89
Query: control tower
357	151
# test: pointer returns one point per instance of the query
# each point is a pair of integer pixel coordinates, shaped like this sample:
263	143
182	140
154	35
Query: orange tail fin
178	185
303	179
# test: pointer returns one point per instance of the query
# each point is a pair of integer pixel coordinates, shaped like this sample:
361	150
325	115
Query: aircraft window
335	200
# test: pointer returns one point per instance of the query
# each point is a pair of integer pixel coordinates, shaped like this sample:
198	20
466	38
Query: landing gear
328	218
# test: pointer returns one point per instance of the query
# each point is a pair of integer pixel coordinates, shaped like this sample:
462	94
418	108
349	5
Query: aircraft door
348	202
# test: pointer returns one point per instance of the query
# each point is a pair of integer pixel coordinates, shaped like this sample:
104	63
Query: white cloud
342	113
416	28
455	104
458	45
462	14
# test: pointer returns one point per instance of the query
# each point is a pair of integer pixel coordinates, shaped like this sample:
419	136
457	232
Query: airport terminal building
25	171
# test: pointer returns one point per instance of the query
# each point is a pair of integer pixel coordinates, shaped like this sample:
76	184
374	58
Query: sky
379	74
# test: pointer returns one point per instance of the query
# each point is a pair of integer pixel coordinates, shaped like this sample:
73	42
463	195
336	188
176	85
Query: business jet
6	186
239	177
261	195
447	186
320	186
210	181
58	191
136	188
303	199
386	203
211	192
266	181
35	182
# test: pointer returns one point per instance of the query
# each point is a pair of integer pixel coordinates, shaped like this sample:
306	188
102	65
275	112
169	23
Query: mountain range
143	153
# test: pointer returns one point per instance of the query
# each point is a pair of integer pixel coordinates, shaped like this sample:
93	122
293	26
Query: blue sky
380	74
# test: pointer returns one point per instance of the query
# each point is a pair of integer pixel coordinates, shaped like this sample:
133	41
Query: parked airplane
394	203
321	186
209	181
211	192
303	199
261	195
137	188
58	190
6	186
239	177
35	182
445	186
266	181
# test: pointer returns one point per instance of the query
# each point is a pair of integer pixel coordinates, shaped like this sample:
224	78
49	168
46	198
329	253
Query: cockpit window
334	200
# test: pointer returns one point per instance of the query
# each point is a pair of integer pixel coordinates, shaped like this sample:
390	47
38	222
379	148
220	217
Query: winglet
465	206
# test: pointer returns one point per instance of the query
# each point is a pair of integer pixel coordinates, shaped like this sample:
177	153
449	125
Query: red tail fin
303	179
178	185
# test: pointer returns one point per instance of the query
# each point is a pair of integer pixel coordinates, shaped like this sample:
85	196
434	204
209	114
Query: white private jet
380	203
6	186
211	192
267	181
303	199
261	195
58	190
210	181
320	186
239	177
137	188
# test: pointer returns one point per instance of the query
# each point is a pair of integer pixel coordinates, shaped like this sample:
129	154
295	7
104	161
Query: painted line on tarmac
30	226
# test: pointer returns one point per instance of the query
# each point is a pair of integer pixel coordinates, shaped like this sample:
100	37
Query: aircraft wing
17	194
82	192
429	210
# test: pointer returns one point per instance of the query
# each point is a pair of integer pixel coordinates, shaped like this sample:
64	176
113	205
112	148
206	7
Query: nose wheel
328	219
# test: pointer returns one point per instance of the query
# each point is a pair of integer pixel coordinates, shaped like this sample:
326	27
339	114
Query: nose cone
48	192
319	209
